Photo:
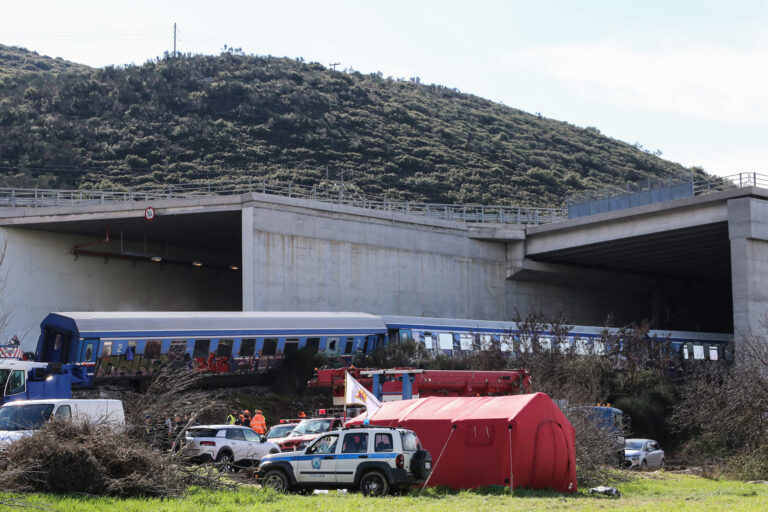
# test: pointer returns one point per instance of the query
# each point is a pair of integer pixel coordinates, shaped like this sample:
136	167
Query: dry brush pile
70	457
76	457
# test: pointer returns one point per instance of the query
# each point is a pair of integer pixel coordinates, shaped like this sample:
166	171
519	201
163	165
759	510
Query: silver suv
374	460
232	446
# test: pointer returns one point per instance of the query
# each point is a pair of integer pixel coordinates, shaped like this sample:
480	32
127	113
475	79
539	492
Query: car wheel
275	479
644	465
226	462
374	484
661	464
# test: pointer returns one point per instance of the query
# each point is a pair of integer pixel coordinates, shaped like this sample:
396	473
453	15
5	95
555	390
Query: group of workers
257	422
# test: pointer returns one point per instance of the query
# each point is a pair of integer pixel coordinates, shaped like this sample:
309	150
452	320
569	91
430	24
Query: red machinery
425	383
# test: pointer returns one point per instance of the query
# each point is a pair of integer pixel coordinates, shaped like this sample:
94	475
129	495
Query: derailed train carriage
135	345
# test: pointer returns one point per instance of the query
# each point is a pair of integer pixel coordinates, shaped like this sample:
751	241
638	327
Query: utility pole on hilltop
174	39
334	65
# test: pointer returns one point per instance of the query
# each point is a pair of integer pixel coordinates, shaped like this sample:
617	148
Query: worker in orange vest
259	424
302	414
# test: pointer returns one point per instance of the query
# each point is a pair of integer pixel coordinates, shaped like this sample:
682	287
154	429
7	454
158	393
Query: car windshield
311	427
24	417
633	444
280	431
202	432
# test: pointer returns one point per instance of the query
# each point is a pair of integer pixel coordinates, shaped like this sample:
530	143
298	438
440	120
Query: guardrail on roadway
656	190
334	193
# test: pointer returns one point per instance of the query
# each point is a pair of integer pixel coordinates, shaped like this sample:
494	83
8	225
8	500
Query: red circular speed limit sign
149	213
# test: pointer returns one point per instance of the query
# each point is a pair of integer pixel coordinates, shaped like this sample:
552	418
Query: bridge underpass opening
183	262
683	277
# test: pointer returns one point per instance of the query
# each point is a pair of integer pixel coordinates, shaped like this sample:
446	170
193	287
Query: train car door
88	350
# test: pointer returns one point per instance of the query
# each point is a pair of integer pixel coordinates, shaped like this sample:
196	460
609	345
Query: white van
21	418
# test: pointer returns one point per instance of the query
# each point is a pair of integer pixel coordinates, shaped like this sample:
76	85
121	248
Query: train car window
445	340
713	354
247	347
177	350
106	350
291	346
332	346
406	335
698	352
201	349
685	352
466	341
507	343
348	345
224	349
545	342
270	347
581	346
313	345
88	352
152	349
599	348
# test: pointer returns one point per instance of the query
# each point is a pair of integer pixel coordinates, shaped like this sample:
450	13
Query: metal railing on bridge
656	190
332	193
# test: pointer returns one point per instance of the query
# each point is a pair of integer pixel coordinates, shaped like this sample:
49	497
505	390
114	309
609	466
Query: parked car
374	460
278	432
642	454
232	446
306	432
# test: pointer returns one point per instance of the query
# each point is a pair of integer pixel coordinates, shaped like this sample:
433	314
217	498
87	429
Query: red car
306	431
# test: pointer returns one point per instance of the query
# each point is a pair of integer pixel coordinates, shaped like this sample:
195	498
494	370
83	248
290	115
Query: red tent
520	440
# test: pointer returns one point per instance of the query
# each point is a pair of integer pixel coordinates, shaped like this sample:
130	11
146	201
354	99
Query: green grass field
652	491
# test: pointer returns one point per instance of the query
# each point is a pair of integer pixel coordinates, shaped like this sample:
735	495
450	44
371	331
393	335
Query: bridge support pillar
748	233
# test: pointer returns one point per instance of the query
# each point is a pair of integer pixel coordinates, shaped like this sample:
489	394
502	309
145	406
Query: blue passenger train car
137	344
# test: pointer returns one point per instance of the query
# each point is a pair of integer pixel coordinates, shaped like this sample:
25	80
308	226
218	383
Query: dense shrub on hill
15	60
237	117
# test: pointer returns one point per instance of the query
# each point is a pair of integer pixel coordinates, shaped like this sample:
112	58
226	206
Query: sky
688	78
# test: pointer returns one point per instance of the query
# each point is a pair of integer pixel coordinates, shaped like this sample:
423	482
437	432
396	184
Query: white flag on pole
356	394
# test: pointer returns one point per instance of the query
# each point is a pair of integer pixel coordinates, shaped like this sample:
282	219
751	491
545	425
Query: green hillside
14	60
234	117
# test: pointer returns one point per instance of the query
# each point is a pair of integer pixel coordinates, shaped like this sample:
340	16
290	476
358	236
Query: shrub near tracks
646	492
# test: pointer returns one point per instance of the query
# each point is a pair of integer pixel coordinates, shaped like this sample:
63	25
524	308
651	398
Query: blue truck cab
28	380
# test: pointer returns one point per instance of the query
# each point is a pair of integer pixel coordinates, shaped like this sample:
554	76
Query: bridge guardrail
332	193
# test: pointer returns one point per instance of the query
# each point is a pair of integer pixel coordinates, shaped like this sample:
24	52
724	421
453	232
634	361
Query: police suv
374	460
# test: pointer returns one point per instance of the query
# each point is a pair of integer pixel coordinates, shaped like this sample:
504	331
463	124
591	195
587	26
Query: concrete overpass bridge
698	263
